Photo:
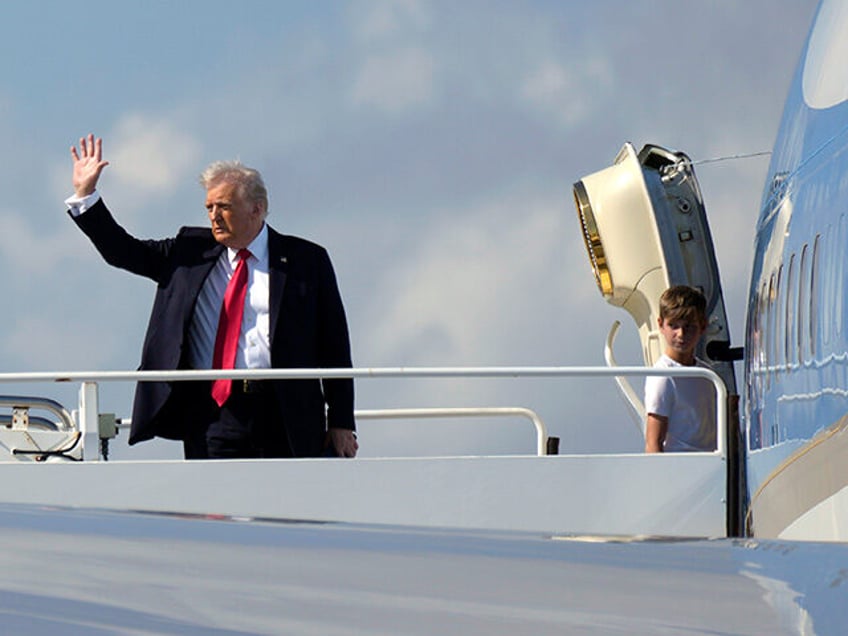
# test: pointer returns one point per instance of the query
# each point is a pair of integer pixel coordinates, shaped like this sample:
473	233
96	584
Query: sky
430	146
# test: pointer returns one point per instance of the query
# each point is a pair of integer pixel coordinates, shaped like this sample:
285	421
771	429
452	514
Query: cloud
390	18
32	253
500	282
452	229
397	72
565	94
470	281
396	81
59	344
151	155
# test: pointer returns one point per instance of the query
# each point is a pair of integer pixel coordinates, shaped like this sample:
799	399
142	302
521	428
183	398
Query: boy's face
681	336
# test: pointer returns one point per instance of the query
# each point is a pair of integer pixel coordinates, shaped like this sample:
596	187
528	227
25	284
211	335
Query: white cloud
396	81
470	281
45	341
387	18
565	94
58	179
29	253
503	282
397	73
151	155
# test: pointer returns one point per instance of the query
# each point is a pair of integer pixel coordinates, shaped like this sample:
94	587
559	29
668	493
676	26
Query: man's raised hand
88	164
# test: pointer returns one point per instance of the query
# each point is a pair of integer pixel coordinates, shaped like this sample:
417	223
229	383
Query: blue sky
430	146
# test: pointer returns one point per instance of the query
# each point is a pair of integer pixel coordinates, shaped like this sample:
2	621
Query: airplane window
790	314
825	286
801	339
839	280
755	334
814	298
779	320
771	338
756	363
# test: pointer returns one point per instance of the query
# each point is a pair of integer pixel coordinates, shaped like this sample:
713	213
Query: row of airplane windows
799	307
788	328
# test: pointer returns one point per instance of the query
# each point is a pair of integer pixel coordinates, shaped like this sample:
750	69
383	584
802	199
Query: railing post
89	422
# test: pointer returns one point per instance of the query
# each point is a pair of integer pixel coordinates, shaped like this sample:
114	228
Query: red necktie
229	328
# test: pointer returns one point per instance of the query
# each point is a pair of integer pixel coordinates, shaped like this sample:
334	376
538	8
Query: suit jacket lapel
277	268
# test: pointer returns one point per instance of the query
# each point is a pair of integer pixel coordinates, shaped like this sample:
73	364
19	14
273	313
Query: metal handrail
34	421
492	411
42	403
419	413
392	372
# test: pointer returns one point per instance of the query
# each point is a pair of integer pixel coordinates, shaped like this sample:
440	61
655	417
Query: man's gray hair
250	182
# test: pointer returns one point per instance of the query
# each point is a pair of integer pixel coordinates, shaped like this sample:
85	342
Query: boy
680	411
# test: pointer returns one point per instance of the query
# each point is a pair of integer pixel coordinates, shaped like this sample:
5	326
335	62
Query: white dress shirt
254	351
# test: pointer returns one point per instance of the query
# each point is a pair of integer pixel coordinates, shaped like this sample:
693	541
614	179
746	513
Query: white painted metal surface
669	495
82	572
636	494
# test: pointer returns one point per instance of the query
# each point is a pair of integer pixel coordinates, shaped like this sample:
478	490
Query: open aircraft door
645	227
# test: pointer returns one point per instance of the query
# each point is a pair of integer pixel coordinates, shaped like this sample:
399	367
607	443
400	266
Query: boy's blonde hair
682	302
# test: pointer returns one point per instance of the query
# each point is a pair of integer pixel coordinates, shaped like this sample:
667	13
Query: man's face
235	221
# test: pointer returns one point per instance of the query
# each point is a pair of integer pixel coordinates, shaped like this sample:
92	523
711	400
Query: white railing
25	403
88	412
493	411
446	412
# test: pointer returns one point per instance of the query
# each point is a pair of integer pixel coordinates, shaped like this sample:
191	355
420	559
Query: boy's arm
655	430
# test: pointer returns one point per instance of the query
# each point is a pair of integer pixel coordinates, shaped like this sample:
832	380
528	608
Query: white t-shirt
689	405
